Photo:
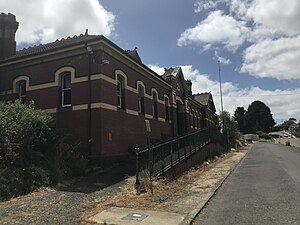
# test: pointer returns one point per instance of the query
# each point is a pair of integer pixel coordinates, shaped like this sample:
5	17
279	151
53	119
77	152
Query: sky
257	42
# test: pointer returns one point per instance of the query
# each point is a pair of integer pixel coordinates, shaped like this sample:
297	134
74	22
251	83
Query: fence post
137	180
171	154
185	147
178	152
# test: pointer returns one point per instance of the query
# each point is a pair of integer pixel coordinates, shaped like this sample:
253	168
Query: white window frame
63	90
141	99
155	104
167	109
22	96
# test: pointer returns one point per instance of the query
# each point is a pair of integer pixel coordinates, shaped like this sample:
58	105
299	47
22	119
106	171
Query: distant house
100	93
251	137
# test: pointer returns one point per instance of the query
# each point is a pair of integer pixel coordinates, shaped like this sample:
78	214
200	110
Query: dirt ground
179	195
76	203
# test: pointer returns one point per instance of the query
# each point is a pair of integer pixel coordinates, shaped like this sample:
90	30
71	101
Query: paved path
264	189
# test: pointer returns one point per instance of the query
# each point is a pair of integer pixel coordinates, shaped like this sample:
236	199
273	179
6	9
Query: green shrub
32	152
66	159
11	183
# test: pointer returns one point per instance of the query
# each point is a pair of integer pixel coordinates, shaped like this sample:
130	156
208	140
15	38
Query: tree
259	117
230	128
240	118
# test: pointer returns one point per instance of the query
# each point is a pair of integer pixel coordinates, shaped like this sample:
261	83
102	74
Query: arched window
188	117
141	101
194	121
154	104
191	118
167	109
120	92
197	120
66	90
22	91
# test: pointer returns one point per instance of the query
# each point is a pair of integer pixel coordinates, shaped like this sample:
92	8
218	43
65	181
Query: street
264	189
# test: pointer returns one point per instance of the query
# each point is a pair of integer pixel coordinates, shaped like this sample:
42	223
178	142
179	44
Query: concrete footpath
183	207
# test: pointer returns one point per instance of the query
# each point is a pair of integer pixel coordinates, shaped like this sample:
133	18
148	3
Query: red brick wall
112	131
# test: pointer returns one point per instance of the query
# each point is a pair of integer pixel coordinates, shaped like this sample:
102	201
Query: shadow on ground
102	178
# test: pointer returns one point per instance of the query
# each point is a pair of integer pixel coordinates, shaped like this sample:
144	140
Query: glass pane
67	97
66	81
119	101
141	90
22	88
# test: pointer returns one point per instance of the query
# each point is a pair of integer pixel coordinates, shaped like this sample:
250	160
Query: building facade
99	93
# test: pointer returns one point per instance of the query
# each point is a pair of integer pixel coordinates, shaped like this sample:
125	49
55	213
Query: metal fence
161	157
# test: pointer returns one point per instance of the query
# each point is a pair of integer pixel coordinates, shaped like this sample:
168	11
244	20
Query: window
194	122
199	120
167	109
154	106
188	117
22	91
66	90
141	102
120	92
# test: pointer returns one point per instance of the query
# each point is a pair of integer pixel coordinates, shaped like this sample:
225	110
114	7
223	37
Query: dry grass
164	190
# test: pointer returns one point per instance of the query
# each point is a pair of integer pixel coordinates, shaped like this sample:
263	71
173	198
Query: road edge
195	212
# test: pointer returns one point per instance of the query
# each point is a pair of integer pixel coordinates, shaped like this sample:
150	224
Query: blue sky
256	41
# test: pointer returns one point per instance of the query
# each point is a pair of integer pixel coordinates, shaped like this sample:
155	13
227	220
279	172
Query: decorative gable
175	77
206	99
181	87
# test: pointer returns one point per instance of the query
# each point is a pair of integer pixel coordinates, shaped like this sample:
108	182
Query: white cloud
274	58
283	103
221	59
282	16
217	28
270	27
47	20
203	5
157	69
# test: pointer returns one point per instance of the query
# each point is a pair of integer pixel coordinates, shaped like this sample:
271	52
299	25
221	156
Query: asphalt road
264	189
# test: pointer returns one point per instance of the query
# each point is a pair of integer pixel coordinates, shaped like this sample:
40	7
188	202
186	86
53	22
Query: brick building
100	93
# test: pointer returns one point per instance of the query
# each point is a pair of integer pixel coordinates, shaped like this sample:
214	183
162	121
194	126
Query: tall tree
259	117
240	118
230	128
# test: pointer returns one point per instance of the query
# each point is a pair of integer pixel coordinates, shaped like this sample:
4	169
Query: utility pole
222	108
220	81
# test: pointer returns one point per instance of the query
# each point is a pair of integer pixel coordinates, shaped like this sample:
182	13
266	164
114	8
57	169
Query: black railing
161	157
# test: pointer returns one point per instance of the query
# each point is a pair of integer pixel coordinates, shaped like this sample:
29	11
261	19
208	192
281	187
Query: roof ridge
57	40
58	43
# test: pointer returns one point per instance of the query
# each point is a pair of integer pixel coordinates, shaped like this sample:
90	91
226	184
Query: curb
195	212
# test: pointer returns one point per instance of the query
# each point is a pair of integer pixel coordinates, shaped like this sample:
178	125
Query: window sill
121	109
65	108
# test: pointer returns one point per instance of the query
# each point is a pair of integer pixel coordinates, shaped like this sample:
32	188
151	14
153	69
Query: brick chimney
8	28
